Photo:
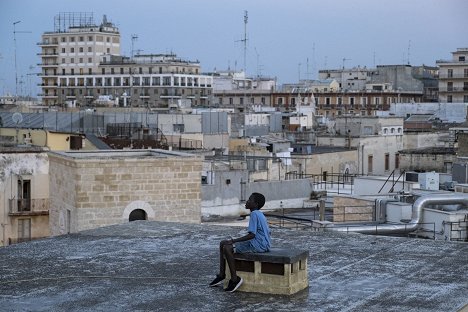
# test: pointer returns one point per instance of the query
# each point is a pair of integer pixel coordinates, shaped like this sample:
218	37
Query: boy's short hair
259	199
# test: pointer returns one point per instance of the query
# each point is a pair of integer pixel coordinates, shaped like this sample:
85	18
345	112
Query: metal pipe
416	218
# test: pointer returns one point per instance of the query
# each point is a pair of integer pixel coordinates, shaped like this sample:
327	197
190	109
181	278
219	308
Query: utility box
429	181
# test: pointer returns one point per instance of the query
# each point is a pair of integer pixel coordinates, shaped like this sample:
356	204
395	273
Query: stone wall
352	209
104	190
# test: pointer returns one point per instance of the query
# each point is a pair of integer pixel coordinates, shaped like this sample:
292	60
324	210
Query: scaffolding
64	20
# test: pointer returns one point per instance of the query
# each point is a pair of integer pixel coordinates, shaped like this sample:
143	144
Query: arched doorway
138	214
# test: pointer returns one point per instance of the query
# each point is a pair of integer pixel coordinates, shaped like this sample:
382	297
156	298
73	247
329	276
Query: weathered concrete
155	266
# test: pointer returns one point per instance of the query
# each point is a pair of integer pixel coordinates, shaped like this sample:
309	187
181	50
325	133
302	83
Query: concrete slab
154	266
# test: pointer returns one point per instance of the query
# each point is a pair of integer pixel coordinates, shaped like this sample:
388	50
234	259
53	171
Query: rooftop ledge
150	153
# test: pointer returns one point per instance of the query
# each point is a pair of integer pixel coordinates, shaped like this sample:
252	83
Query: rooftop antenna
314	65
16	65
245	41
344	60
134	38
409	47
246	18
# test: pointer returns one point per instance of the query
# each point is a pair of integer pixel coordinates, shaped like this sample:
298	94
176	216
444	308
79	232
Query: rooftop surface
155	266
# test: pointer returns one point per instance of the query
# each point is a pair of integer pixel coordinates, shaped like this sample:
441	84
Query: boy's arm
247	237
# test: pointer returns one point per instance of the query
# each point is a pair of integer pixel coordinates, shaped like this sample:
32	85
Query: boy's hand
226	242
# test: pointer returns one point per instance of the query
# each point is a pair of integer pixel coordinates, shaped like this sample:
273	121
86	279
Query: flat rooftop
156	266
100	154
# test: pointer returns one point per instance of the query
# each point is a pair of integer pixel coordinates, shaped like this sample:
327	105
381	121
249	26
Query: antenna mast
134	38
246	18
409	47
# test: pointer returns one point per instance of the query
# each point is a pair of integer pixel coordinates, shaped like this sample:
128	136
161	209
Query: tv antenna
344	60
134	39
246	18
16	65
409	47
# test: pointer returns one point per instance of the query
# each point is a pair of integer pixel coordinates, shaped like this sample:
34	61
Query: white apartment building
81	65
453	78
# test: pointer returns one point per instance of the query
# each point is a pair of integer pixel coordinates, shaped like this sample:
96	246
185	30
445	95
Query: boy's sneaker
217	281
232	286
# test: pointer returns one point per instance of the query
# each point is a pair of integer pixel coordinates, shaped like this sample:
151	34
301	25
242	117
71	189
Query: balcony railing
454	89
28	207
453	76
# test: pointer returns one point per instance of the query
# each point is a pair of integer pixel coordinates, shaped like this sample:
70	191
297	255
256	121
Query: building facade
453	78
81	65
24	194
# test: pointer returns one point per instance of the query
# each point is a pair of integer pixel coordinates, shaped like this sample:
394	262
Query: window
81	60
90	38
461	58
90	60
72	39
241	101
63	39
370	161
280	101
397	161
103	71
107	39
24	230
81	39
327	101
230	101
465	99
449	73
112	71
387	162
351	102
140	70
63	61
90	49
90	71
449	86
339	101
121	71
72	60
72	50
178	127
263	100
220	101
465	72
63	50
449	99
108	50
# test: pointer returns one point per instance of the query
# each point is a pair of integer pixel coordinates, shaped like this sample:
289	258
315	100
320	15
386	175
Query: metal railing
333	182
28	205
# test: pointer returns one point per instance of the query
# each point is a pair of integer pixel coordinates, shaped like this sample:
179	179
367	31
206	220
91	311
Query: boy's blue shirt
258	225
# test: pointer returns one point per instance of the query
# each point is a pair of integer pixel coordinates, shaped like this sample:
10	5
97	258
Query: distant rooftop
156	266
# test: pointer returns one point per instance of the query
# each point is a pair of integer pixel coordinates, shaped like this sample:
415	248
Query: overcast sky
284	36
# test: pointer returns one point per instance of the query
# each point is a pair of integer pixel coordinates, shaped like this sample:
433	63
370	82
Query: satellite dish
17	118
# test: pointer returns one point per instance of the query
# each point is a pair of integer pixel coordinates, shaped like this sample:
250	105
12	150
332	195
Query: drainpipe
419	204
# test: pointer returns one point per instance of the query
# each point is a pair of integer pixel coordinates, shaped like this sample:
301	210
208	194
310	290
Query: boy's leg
222	263
229	254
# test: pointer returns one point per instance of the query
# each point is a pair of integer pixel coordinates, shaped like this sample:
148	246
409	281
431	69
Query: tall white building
453	78
81	65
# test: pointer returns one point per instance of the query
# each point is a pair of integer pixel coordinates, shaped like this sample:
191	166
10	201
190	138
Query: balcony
28	207
47	43
453	76
453	89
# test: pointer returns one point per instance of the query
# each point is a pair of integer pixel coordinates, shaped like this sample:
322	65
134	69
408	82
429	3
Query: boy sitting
257	240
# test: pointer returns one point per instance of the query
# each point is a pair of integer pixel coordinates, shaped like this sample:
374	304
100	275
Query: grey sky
282	34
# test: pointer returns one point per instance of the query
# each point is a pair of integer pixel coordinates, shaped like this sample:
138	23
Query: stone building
94	189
